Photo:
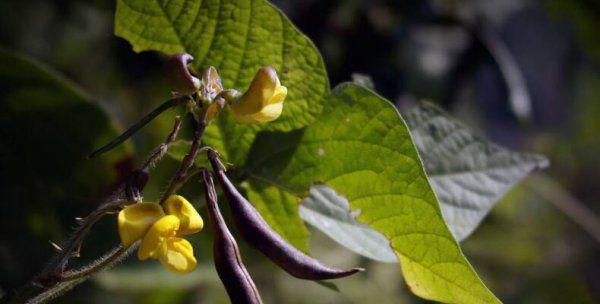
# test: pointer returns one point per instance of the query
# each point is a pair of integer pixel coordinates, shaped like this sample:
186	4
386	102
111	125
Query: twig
137	126
99	264
108	260
193	171
54	274
566	203
188	161
161	150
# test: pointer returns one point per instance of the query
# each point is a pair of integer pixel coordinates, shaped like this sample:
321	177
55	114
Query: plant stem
160	151
50	280
188	161
106	259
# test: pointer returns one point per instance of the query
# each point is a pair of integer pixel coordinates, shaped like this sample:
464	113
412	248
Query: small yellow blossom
262	102
213	111
161	230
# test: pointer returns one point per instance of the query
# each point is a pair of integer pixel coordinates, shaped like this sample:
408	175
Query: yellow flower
161	233
262	102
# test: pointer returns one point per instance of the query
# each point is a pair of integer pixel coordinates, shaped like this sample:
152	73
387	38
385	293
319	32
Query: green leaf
362	149
47	127
468	173
238	37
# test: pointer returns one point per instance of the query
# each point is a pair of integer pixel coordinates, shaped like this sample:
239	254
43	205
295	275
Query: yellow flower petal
279	95
135	220
268	113
190	220
262	102
177	255
155	237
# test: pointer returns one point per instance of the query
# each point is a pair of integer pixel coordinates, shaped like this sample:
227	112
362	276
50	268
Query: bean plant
285	149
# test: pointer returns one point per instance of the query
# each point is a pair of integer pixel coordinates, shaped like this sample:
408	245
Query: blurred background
523	73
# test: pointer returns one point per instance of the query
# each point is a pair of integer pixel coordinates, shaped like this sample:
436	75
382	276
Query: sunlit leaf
468	174
361	148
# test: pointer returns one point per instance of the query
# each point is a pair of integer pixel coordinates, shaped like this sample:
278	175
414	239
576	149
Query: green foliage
237	37
48	126
468	174
46	117
361	148
351	140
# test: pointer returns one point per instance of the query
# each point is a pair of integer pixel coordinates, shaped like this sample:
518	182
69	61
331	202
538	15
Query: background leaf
238	37
468	173
47	128
361	148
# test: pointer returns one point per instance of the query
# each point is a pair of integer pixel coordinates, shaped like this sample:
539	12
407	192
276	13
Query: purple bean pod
253	228
231	269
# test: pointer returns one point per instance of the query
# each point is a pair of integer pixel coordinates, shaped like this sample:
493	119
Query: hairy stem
188	161
105	260
108	260
53	277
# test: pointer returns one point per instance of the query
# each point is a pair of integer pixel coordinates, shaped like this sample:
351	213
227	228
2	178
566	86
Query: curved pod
229	265
253	228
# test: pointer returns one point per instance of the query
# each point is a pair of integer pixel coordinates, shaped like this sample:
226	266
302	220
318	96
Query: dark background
527	251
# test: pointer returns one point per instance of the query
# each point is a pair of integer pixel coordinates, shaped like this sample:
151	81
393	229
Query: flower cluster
262	102
161	230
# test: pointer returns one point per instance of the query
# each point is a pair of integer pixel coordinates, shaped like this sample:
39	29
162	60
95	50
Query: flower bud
179	75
